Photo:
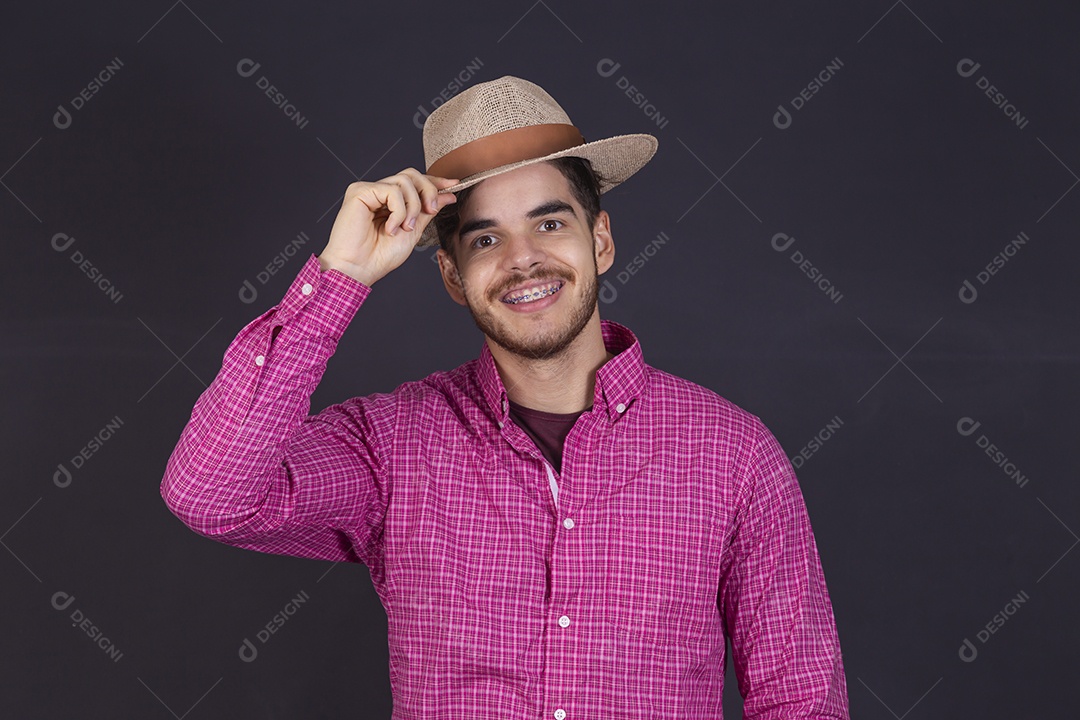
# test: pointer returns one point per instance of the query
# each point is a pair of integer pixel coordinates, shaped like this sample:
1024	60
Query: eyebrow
551	207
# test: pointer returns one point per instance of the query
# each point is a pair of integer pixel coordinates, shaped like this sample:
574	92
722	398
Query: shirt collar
619	382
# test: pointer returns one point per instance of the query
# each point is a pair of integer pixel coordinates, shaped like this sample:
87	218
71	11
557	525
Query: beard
538	345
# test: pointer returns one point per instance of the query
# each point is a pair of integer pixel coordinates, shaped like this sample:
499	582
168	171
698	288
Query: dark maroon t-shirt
548	430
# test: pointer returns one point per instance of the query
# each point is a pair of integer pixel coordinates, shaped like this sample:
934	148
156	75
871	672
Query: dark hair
584	182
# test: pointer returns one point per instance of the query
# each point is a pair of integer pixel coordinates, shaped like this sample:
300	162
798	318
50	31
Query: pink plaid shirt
512	592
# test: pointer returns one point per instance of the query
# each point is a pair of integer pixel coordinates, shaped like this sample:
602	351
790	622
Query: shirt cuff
328	300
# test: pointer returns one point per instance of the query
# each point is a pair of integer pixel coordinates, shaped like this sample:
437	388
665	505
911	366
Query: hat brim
615	159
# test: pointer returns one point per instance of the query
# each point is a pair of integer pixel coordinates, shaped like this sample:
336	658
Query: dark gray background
899	180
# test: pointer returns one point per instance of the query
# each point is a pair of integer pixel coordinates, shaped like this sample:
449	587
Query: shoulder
726	440
708	407
703	415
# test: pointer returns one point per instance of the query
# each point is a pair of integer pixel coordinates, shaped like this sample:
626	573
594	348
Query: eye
546	222
478	239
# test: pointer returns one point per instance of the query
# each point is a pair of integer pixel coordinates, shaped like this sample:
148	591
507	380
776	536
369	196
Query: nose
523	252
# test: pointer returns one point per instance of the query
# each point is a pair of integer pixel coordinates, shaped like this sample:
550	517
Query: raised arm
252	468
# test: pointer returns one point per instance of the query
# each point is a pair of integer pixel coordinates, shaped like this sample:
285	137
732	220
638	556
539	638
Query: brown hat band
503	148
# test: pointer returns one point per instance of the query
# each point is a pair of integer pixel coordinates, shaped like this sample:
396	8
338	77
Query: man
556	529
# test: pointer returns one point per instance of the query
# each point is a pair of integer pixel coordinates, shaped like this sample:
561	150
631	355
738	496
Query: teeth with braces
534	296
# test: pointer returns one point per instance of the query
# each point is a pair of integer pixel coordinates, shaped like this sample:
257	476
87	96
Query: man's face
523	230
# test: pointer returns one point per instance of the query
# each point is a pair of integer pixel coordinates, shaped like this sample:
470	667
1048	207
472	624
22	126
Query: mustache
544	276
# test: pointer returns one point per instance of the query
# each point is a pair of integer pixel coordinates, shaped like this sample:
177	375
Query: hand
380	223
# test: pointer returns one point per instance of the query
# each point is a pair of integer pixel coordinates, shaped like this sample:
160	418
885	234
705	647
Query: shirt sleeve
774	601
252	469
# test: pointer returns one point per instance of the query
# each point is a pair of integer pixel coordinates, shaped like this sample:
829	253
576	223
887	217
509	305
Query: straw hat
501	125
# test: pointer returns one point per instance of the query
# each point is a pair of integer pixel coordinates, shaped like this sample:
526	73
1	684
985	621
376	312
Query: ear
451	278
603	242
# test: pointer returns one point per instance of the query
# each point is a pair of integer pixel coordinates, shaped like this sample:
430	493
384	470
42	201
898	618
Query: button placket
563	621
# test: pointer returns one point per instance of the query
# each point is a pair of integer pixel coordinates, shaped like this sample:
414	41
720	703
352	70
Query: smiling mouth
535	293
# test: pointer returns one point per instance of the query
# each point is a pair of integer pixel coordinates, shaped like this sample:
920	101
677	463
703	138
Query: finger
443	199
428	189
412	200
393	201
373	195
425	189
442	182
434	201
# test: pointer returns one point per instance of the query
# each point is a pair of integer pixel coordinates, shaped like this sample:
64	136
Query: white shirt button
620	408
500	424
568	523
259	360
560	714
306	289
564	621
